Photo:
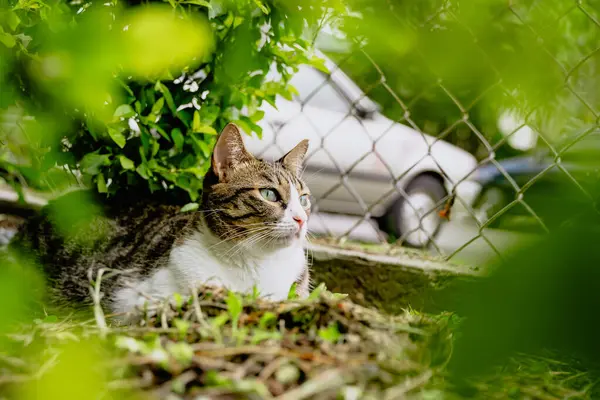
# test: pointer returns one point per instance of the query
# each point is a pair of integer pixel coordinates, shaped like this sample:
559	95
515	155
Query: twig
270	368
399	391
9	379
198	309
13	361
328	380
96	297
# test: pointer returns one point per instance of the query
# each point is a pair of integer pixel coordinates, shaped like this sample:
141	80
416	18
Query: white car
360	162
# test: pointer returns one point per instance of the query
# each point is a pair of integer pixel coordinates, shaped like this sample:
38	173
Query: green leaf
117	137
202	3
317	291
167	95
101	183
124	111
318	63
331	333
220	320
7	39
178	300
209	130
157	107
262	6
181	351
161	131
259	336
189	207
257	116
292	292
199	127
126	163
268	319
178	138
142	170
209	114
196	124
13	20
234	306
204	147
155	148
248	126
92	163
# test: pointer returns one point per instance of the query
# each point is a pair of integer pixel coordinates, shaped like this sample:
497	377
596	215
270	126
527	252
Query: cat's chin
289	240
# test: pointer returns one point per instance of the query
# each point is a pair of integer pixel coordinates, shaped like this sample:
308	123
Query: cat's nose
299	220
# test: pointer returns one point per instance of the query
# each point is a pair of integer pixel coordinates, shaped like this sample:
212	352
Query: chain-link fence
408	178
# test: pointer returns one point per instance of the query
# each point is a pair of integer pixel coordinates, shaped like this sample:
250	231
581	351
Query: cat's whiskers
238	234
250	233
246	244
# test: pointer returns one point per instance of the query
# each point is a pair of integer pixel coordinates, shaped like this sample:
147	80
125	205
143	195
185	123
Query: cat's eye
269	194
304	201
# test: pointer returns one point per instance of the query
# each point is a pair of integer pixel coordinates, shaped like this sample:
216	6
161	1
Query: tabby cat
247	235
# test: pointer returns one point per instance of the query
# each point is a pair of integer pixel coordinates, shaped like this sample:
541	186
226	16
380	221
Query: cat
247	235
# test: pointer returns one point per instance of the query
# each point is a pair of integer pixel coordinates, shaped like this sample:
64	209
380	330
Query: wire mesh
383	209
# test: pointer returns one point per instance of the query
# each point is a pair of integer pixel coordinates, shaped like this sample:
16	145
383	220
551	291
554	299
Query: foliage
452	67
324	347
133	95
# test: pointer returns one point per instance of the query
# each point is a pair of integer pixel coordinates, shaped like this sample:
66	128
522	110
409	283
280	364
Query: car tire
415	219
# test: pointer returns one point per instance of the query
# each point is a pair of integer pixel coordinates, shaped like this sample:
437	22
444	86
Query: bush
126	95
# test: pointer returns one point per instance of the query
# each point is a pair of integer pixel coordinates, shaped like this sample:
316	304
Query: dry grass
221	345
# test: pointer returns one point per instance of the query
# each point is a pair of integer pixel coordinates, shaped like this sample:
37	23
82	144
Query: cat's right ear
229	152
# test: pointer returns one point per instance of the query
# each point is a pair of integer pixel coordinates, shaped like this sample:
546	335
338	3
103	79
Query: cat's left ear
229	152
294	159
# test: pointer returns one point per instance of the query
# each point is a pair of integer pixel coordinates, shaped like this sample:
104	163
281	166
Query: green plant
133	95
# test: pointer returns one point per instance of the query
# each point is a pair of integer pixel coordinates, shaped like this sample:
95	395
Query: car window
315	90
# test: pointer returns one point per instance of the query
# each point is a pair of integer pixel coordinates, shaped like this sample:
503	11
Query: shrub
133	95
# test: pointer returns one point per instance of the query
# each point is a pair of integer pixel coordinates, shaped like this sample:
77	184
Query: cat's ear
229	152
294	158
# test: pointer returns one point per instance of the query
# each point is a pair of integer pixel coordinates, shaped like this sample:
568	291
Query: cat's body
249	234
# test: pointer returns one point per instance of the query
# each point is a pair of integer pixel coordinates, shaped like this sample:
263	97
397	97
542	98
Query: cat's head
265	205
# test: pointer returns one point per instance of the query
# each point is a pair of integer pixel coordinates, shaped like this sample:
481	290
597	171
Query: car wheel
415	218
491	200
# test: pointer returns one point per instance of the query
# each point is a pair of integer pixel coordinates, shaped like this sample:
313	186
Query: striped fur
138	239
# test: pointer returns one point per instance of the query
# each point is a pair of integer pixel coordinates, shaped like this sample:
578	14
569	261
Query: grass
219	344
222	344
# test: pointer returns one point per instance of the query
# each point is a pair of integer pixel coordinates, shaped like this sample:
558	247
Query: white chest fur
202	259
239	269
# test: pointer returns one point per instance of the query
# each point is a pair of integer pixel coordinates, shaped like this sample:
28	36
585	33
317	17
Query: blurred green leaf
93	162
12	20
331	333
124	111
7	39
234	306
198	127
179	42
317	291
157	107
189	207
126	163
75	374
101	183
117	137
292	292
21	290
167	95
177	137
263	7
